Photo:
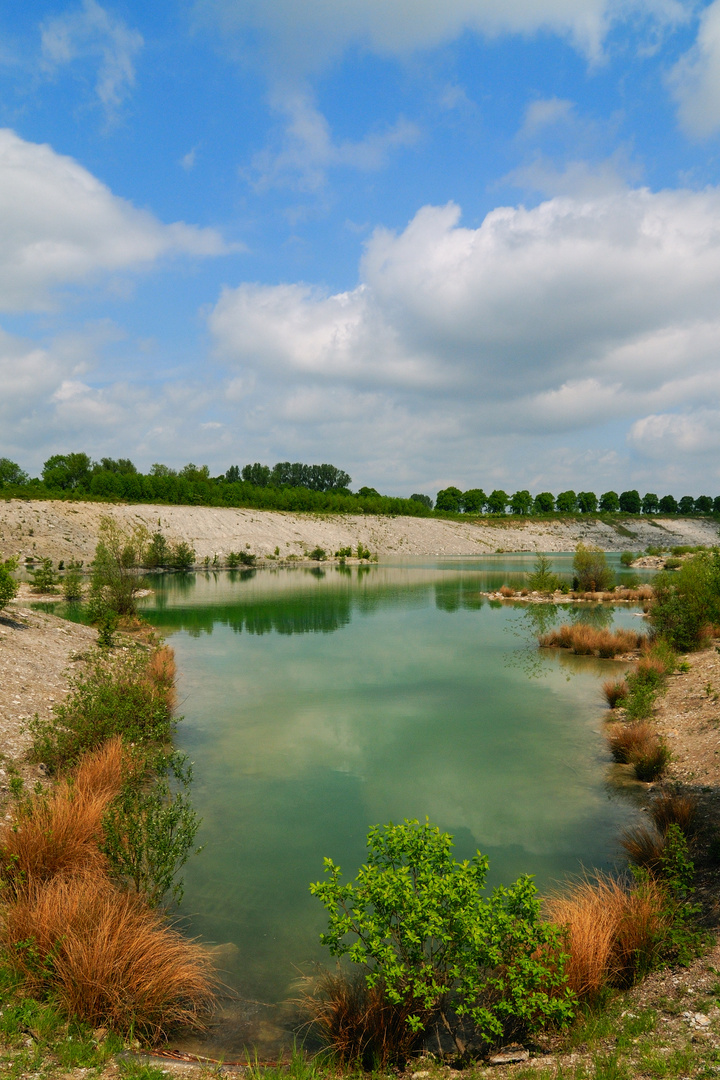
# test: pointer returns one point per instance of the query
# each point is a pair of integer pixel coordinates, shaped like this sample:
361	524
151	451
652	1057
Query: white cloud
573	316
308	149
305	37
695	80
60	226
91	32
689	434
544	113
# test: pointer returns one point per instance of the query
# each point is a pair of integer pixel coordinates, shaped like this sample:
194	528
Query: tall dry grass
673	808
358	1022
59	831
613	933
160	674
615	691
627	741
586	640
645	846
105	956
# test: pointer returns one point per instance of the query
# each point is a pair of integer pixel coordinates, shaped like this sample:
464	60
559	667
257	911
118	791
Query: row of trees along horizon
296	486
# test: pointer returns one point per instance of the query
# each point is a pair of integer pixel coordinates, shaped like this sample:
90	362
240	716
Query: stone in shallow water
509	1055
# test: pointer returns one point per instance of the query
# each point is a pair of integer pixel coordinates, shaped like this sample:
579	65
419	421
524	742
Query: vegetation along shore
612	977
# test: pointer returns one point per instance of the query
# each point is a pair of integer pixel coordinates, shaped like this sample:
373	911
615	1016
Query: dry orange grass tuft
615	691
161	672
645	846
358	1022
628	741
671	808
586	640
611	933
59	831
506	590
107	958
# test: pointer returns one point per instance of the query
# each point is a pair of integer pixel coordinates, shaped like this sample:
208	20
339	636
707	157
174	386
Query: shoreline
69	530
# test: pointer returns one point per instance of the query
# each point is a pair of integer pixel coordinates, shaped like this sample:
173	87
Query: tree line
475	501
297	486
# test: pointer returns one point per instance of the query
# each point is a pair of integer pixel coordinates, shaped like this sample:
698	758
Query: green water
317	704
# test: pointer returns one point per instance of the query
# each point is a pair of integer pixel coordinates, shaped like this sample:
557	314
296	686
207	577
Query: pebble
509	1055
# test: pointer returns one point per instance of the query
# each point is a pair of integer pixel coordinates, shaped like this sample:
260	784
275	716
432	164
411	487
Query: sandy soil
60	530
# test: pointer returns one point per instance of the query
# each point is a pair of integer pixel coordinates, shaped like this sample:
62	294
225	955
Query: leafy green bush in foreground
418	923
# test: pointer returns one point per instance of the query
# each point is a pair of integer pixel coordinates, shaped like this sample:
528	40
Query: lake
320	701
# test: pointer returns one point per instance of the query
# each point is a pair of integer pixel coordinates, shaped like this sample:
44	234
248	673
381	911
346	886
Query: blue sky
430	243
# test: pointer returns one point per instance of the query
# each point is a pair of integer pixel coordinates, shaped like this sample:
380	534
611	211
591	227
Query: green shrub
8	584
362	552
672	564
113	697
44	578
542	578
591	569
652	763
149	831
687	601
346	552
157	554
627	558
318	554
182	556
118	555
72	582
418	923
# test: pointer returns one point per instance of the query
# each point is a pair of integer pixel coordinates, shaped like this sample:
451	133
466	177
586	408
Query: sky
431	243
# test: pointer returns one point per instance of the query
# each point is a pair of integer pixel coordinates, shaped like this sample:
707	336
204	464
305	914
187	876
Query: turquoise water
318	703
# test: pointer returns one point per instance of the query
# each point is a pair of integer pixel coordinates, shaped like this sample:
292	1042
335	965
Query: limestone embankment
65	530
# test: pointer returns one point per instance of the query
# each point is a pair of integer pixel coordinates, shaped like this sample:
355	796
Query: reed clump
615	691
586	640
613	933
105	956
638	744
59	831
358	1021
674	808
506	591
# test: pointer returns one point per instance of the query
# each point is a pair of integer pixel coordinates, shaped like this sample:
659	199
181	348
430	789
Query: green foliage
11	475
118	555
67	472
668	505
318	554
627	558
182	556
149	830
587	502
72	582
542	578
343	552
44	578
113	697
609	502
630	502
497	501
449	499
240	558
651	503
591	569
566	502
418	923
544	503
474	500
8	585
157	553
362	551
687	601
521	502
424	500
673	564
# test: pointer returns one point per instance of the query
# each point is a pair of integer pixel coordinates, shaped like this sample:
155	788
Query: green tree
8	584
419	925
544	503
542	578
521	502
587	502
449	499
72	582
591	569
11	475
668	505
703	504
424	500
630	502
650	503
609	502
497	501
686	505
473	501
158	469
118	556
566	502
44	578
123	466
68	472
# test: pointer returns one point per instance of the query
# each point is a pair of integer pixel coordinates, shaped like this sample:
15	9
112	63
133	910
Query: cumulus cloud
695	79
60	226
556	319
307	36
91	32
308	150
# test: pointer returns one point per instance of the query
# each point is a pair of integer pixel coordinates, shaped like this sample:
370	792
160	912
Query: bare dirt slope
61	530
